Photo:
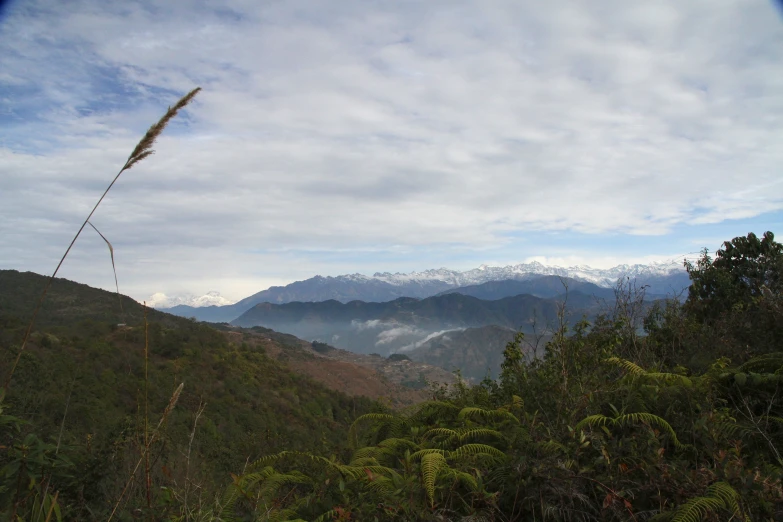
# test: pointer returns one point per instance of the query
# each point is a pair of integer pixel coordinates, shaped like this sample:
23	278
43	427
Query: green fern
395	444
461	435
431	465
344	470
720	496
386	423
551	446
424	452
768	363
480	413
639	372
264	483
477	449
628	366
465	478
630	419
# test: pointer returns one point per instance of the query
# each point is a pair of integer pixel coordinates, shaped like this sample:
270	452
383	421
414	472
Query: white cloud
367	325
354	127
417	344
392	334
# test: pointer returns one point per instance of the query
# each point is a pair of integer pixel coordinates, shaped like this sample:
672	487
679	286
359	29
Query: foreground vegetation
671	414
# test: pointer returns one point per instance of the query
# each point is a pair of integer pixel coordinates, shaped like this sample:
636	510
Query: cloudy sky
362	136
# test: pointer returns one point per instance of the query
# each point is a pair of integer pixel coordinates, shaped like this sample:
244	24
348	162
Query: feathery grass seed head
144	147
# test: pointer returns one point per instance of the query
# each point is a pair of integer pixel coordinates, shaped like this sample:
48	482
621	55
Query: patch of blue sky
682	239
31	114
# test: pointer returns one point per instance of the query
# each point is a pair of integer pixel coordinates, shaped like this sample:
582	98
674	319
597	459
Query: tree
737	292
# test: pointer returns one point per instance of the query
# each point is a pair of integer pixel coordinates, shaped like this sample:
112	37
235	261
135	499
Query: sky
370	136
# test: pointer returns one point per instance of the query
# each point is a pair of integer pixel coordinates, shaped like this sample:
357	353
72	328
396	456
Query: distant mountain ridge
661	278
545	287
408	323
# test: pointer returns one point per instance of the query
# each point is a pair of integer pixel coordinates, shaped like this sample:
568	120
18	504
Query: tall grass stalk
201	407
57	449
149	442
142	150
147	478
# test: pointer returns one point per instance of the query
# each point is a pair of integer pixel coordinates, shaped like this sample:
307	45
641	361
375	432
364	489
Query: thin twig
113	267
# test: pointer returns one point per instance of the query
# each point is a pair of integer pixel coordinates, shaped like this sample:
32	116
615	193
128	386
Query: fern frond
379	471
630	419
669	378
273	483
445	432
465	478
639	372
477	449
727	494
462	435
767	363
336	466
593	421
653	420
628	366
480	413
431	465
369	452
479	433
551	446
392	422
719	496
423	452
381	485
364	461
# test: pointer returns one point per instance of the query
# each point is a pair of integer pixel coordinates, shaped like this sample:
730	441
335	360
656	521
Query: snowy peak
485	273
161	300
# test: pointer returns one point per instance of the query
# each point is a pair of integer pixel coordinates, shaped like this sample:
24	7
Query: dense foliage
673	414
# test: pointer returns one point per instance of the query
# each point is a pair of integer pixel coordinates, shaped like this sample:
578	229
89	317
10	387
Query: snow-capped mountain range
660	278
602	277
161	300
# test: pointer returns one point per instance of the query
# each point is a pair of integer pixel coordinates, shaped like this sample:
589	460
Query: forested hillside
674	414
73	420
